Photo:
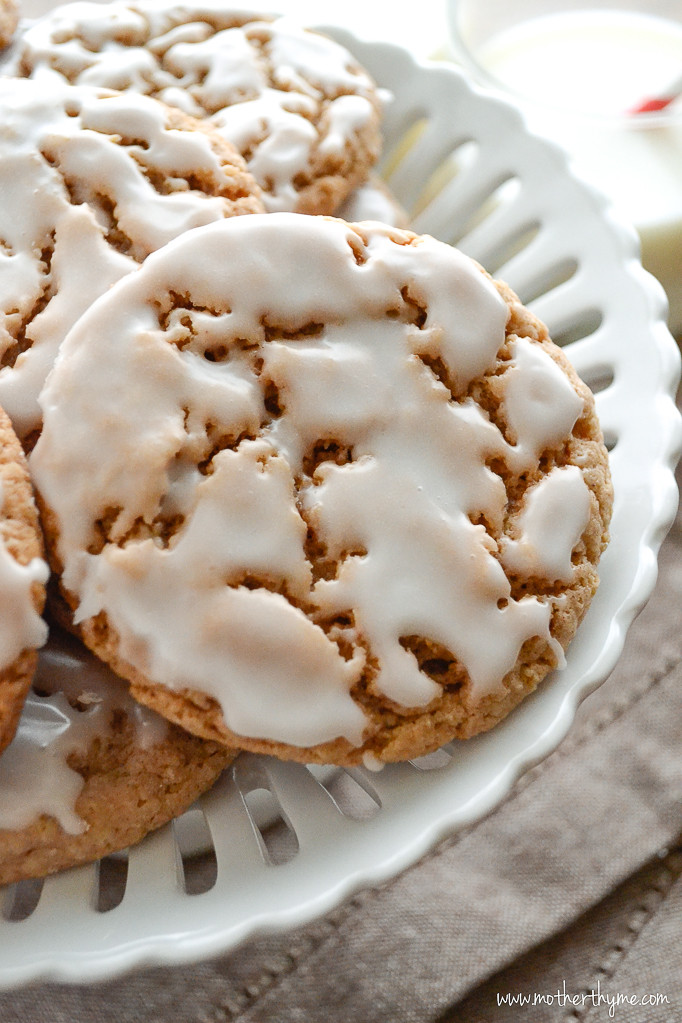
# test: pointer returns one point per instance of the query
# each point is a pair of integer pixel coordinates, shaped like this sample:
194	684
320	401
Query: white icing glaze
397	518
35	777
265	83
61	165
554	515
372	763
540	405
21	626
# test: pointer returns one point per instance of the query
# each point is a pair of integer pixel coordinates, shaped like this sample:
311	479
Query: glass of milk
578	70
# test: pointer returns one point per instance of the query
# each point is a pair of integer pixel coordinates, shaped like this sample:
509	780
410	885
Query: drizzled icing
554	516
280	93
539	402
35	777
77	178
21	626
343	325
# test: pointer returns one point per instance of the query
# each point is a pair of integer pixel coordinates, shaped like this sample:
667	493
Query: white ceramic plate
463	164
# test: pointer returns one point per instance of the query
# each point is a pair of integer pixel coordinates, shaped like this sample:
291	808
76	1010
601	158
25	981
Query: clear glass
579	71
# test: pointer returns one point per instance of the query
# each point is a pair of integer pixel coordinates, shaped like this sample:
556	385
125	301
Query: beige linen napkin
571	887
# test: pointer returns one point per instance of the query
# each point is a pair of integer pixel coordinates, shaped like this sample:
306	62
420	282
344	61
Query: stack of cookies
308	484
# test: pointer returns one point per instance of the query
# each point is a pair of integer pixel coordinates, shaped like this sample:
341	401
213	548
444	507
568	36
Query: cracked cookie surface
91	182
296	104
116	770
355	511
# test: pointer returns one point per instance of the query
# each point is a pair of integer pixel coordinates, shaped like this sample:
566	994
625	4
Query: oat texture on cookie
23	574
91	182
296	104
91	771
325	525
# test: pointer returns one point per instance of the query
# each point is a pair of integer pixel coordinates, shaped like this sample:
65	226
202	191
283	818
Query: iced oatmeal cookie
23	574
91	183
354	511
90	771
297	105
